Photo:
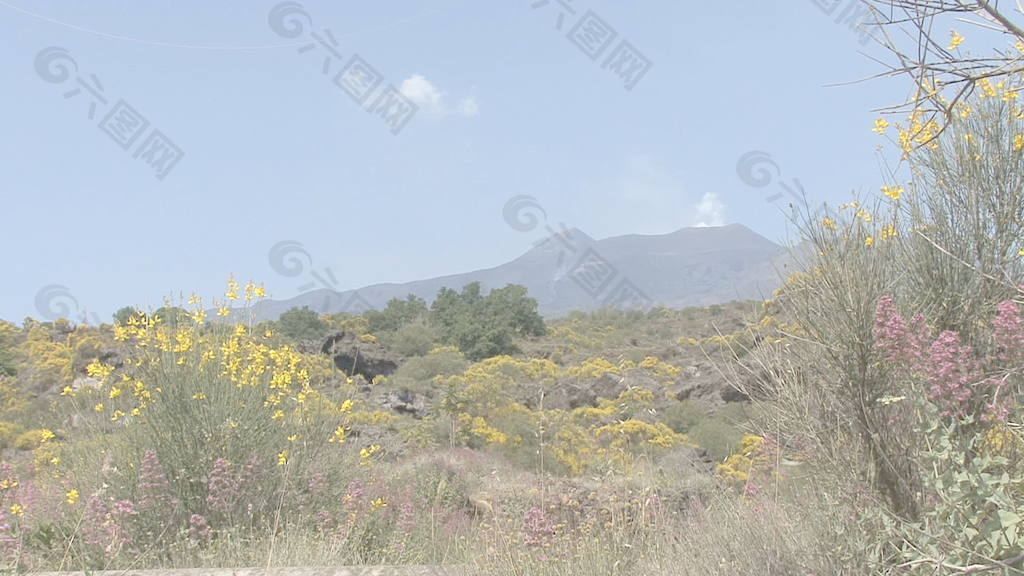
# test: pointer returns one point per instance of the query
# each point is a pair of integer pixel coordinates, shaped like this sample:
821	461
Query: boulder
352	355
405	402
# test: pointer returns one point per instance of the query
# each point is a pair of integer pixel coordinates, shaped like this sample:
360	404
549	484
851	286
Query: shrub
420	371
413	339
396	314
10	434
891	372
301	324
683	416
716	436
485	326
29	439
218	401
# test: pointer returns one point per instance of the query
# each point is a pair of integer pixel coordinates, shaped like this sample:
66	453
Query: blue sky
507	106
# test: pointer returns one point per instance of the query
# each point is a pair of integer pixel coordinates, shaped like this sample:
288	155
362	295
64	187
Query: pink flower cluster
538	530
959	381
107	527
154	489
1008	331
199	529
222	489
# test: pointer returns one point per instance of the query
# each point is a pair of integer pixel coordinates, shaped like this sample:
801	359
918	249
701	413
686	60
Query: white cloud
418	89
431	99
710	211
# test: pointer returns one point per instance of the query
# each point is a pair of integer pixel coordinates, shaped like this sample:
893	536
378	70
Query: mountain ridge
570	270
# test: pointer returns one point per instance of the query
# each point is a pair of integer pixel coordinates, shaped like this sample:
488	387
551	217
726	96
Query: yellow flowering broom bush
209	407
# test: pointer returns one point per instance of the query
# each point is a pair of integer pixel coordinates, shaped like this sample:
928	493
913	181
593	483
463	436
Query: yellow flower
194	299
68	391
117	415
956	41
232	292
893	192
339	436
261	292
98	370
378	503
293	437
55	460
98	407
199	396
223	311
46	435
869	241
71	497
829	223
278	414
18	510
114	392
366	453
346	406
880	125
282	458
1018	141
199	316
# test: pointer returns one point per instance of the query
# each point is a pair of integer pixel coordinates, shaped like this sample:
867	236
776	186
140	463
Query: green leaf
1008	518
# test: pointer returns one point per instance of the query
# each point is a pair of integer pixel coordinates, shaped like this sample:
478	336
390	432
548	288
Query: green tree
396	314
123	314
171	315
301	324
415	339
7	343
484	326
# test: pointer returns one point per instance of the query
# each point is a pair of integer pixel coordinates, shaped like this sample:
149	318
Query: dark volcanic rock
405	402
354	356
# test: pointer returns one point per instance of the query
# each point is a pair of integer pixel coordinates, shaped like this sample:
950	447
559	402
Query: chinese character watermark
593	36
122	123
855	15
354	77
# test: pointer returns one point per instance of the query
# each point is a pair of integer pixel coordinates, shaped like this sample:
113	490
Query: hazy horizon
219	131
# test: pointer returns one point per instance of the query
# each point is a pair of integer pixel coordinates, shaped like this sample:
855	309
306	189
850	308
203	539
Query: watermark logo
757	169
288	258
354	77
122	123
588	269
593	36
854	14
55	301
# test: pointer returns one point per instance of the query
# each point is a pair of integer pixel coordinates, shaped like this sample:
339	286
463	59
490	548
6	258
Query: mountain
572	271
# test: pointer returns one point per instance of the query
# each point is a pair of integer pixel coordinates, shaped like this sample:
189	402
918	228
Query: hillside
572	271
